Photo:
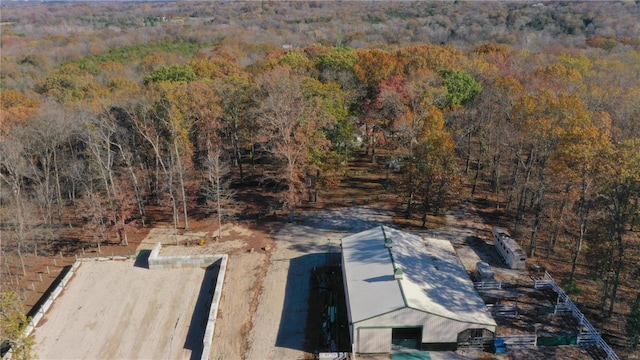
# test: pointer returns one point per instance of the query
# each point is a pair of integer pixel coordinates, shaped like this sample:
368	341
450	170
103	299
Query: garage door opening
406	338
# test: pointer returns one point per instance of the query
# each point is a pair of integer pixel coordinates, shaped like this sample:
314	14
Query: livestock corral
535	317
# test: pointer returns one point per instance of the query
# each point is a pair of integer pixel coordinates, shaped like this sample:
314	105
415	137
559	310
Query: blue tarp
411	355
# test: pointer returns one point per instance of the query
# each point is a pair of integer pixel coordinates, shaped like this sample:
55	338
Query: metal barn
405	292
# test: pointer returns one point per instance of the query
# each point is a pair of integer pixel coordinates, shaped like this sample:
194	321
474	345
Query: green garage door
406	338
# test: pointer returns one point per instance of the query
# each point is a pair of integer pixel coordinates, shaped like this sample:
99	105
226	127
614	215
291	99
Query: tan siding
372	341
436	329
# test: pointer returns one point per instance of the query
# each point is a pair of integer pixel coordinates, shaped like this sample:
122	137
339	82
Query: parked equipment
509	249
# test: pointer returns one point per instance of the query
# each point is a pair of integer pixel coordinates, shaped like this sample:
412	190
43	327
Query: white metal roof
434	279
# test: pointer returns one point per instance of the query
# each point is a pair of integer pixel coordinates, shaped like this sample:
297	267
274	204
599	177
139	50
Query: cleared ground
115	310
279	324
109	310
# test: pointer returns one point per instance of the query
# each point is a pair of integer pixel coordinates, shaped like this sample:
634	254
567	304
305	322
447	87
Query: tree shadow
350	219
67	246
486	252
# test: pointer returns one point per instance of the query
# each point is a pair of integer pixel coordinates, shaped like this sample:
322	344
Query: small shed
403	292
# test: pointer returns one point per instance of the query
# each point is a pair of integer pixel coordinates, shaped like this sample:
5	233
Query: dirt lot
248	250
113	309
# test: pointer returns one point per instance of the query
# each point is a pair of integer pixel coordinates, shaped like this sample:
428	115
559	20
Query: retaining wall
213	310
187	261
179	261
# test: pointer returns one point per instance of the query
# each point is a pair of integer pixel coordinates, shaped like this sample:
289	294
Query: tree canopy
530	112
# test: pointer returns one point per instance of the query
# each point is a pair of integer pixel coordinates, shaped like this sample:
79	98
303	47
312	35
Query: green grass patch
134	53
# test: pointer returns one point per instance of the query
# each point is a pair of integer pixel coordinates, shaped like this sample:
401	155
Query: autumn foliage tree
291	120
619	194
13	323
543	132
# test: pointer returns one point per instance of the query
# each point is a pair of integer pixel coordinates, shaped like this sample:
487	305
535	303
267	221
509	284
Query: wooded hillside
530	111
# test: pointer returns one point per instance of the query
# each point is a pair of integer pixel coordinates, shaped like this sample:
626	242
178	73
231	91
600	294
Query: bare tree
142	118
91	211
99	138
14	170
218	184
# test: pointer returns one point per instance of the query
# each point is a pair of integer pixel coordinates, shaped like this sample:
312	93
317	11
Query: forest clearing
226	124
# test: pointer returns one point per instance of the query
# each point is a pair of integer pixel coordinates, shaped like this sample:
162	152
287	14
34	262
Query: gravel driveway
280	319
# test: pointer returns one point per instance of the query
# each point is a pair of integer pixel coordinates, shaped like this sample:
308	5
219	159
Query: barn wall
435	329
371	341
347	298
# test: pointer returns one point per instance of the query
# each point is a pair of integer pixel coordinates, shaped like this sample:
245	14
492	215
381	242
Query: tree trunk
368	140
475	177
122	234
373	153
58	188
409	201
386	179
181	179
440	197
559	223
583	227
174	206
616	278
538	217
534	233
236	149
605	294
24	269
495	173
218	190
136	186
425	205
467	161
523	193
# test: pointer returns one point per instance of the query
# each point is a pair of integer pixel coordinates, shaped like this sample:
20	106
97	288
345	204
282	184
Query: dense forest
530	109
